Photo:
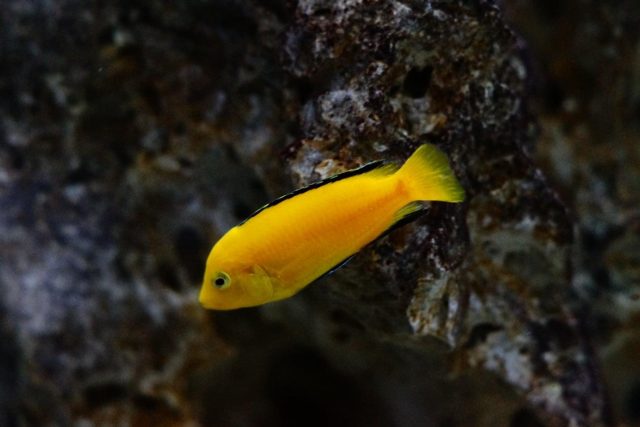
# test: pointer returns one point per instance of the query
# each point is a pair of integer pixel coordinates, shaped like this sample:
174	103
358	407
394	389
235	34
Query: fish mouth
206	302
213	306
214	303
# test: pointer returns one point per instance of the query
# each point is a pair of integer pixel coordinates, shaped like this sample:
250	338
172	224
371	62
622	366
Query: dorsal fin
353	172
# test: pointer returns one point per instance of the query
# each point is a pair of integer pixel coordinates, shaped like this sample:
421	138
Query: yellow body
283	248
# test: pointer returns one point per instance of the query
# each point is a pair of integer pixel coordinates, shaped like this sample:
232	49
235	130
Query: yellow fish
301	236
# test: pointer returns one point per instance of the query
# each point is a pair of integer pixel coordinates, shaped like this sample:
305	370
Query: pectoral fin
260	286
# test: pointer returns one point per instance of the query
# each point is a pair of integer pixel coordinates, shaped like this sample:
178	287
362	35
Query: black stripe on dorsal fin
352	172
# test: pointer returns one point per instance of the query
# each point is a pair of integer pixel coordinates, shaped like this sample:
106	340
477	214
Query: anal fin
335	267
405	215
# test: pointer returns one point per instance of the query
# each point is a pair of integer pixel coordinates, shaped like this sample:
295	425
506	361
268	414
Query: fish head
231	286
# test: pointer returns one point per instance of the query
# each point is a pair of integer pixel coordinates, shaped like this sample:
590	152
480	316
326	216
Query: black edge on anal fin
403	221
353	172
336	267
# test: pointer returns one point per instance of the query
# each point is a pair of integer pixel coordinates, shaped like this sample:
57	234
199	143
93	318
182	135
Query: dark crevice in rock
103	394
416	83
190	248
525	418
632	403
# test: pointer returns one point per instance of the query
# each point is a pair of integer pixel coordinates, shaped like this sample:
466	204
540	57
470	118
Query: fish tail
428	176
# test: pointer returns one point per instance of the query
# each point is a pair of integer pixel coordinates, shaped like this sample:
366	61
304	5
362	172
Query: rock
490	277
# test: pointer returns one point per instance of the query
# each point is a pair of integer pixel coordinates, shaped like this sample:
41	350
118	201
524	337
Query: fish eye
222	280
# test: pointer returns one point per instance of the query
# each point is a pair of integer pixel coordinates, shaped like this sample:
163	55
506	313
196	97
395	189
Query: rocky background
133	134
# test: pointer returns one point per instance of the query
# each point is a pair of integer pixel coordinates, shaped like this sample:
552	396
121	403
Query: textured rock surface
589	148
133	134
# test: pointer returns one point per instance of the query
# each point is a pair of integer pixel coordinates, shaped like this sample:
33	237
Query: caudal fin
428	176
